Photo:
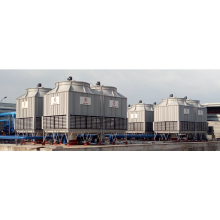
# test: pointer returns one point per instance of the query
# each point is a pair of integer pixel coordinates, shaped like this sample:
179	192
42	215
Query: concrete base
154	146
13	147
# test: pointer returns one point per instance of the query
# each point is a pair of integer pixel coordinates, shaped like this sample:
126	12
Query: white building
213	118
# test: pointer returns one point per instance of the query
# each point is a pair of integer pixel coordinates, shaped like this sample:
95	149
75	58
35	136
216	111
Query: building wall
216	128
7	107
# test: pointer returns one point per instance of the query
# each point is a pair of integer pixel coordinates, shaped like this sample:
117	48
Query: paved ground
144	146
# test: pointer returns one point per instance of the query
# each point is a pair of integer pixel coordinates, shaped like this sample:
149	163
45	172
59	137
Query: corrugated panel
140	116
176	113
120	112
166	113
77	109
61	109
27	112
70	105
201	118
143	116
186	117
34	98
34	110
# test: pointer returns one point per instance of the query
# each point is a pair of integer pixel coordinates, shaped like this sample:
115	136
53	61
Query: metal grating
165	126
125	124
89	122
121	127
54	122
191	126
24	123
135	126
107	123
92	122
117	123
201	126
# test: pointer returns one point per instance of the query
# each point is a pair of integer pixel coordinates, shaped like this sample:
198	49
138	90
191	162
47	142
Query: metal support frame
194	136
155	135
187	137
178	136
201	136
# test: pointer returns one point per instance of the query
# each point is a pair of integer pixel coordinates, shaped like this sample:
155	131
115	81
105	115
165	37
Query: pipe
84	136
7	114
22	138
4	120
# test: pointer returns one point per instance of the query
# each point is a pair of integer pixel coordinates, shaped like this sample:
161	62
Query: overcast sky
147	85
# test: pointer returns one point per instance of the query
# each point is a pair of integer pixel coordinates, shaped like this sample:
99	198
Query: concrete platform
153	146
14	147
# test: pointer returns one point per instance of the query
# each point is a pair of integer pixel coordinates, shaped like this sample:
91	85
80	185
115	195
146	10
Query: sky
147	85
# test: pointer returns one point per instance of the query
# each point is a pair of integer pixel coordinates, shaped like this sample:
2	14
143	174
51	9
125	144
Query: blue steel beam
6	114
22	138
5	120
